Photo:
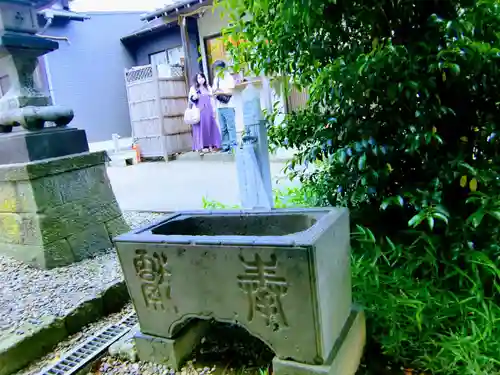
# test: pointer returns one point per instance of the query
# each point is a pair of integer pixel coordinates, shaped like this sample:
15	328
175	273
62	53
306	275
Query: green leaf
400	200
362	162
413	85
386	203
440	216
455	69
417	219
342	156
476	218
495	214
430	221
392	92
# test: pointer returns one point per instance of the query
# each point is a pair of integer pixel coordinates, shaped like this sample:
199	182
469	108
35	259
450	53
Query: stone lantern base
58	210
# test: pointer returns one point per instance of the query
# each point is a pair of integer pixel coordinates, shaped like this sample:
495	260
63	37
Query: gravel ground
226	350
74	340
27	293
112	366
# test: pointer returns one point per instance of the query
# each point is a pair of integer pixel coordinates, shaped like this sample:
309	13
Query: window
171	56
175	55
158	58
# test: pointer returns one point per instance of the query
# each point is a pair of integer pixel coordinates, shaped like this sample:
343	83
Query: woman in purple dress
206	133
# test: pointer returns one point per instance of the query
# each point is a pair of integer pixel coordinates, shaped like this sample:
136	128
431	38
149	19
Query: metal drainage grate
76	359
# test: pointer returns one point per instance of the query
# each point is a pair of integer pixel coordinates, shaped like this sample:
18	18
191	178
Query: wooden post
159	110
185	47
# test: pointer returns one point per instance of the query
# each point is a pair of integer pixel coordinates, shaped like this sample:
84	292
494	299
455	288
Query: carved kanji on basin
284	275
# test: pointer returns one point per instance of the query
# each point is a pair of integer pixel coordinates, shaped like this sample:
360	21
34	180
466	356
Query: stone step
279	157
122	158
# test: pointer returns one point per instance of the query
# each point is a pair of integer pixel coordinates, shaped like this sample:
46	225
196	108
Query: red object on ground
137	152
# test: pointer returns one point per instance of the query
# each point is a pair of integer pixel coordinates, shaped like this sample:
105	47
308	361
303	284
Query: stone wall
57	211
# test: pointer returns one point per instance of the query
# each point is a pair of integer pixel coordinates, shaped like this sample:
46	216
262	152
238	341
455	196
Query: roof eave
142	33
173	9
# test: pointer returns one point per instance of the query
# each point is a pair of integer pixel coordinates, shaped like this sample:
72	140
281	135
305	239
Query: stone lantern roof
35	3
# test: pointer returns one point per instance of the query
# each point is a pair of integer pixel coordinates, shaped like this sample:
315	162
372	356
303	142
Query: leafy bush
283	198
401	126
209	204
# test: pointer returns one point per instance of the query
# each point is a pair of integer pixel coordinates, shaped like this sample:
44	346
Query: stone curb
220	157
33	340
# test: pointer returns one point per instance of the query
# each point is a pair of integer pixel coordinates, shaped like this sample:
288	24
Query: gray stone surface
284	275
28	342
50	167
345	357
89	241
54	219
171	352
47	256
116	226
31	340
34	118
88	311
125	347
29	293
77	295
24	146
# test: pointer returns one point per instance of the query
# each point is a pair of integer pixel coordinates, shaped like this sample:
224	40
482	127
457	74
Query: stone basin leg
171	352
345	357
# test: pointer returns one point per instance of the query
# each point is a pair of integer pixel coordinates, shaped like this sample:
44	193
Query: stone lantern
56	202
20	47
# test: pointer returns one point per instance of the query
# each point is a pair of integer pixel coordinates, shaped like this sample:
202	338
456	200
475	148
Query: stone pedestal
284	275
22	146
56	202
56	211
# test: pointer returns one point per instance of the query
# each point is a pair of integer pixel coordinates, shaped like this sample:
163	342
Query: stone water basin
283	275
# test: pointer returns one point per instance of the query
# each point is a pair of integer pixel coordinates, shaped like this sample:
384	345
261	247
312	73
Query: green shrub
433	319
210	204
449	330
286	197
401	126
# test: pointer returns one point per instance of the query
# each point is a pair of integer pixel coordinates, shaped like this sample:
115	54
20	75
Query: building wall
88	74
210	24
166	39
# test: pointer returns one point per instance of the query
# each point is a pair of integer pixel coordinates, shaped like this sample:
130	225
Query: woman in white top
206	133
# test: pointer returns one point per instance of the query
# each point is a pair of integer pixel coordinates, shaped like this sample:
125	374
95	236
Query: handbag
221	97
192	115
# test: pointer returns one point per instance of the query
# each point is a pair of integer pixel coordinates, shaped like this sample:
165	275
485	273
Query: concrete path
179	185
